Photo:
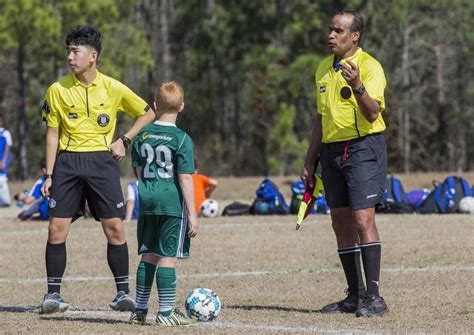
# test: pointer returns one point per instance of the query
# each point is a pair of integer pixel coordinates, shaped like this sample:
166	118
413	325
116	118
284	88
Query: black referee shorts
81	176
354	172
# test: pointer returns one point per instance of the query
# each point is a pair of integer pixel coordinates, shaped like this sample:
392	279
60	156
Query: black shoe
372	306
349	305
137	318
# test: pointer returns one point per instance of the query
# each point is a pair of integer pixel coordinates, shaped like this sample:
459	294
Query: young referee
80	111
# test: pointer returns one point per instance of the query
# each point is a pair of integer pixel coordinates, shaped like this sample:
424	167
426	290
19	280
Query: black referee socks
350	259
371	254
117	257
56	258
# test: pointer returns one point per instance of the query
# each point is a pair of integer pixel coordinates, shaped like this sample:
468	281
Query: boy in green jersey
163	159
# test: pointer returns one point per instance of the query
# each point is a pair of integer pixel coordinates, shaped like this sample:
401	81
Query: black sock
117	257
56	258
350	259
371	254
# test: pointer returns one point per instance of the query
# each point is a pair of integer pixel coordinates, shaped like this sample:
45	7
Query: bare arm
129	209
370	108
52	141
187	188
3	162
117	148
26	199
211	188
313	151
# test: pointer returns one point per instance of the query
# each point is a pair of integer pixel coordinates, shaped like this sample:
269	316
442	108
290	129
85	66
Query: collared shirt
86	115
342	119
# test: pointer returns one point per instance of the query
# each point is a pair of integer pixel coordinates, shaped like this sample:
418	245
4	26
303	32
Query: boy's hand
193	226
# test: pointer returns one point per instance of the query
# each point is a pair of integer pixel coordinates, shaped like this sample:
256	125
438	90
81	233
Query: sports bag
417	196
446	196
395	199
269	200
297	192
394	191
236	208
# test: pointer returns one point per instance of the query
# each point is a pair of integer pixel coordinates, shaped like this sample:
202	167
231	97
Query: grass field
270	278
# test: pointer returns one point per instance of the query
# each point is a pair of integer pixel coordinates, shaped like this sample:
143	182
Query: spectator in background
204	186
132	206
34	198
5	145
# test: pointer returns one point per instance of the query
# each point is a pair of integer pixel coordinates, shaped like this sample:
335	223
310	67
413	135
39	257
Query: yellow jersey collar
96	81
355	55
351	58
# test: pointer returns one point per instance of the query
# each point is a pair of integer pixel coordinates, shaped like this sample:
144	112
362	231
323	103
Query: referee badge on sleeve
103	120
45	107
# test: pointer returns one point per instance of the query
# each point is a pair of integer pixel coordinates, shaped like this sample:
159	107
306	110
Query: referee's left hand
118	150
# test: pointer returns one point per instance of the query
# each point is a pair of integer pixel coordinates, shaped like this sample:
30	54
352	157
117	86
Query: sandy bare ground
270	278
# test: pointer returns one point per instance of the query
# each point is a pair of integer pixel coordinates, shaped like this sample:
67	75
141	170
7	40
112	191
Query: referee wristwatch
359	90
47	176
126	141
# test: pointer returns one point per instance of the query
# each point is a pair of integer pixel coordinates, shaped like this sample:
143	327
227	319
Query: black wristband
126	141
47	176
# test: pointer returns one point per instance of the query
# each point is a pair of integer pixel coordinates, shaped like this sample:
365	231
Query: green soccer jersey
163	151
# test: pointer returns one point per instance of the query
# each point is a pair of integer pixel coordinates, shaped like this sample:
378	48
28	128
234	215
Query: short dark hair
43	163
357	21
85	35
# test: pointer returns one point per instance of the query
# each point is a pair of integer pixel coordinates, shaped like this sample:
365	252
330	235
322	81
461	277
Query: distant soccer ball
466	205
210	208
203	304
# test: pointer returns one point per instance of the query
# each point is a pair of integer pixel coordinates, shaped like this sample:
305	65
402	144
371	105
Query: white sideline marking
208	225
433	268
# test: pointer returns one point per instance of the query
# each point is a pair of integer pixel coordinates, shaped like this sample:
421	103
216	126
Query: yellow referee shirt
86	115
341	117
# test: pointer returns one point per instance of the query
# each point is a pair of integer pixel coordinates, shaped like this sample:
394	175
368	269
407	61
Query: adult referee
347	134
81	110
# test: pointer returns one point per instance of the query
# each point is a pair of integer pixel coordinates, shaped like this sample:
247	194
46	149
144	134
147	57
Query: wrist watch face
126	141
360	90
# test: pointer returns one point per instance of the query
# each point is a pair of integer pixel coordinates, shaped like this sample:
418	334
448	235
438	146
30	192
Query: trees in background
248	73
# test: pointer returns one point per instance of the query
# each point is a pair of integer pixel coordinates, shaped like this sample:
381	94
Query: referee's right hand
46	187
307	177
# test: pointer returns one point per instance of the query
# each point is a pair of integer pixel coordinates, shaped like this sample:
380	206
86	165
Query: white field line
430	269
208	225
203	226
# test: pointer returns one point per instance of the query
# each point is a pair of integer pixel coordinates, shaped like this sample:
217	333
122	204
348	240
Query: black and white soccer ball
210	208
202	304
466	205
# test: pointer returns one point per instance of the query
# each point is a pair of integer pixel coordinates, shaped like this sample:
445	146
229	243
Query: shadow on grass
86	320
273	308
60	316
19	309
